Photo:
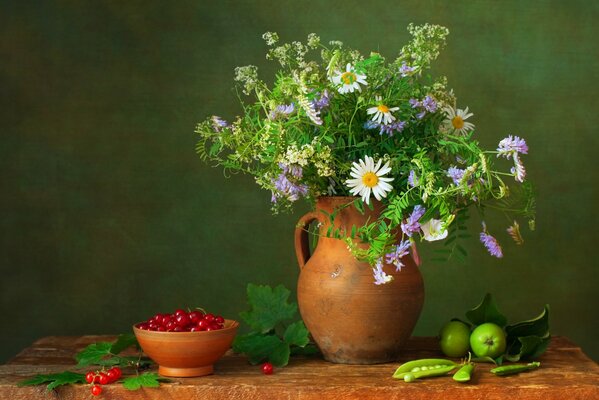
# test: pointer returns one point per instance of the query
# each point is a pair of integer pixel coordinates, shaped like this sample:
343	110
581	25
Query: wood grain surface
566	373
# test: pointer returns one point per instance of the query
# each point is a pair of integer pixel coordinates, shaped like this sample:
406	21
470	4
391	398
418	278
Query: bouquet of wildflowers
336	122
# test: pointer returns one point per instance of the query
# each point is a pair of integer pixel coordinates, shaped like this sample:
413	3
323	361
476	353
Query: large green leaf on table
259	347
307	350
54	380
486	311
148	379
538	326
93	353
527	347
122	342
297	334
268	307
279	356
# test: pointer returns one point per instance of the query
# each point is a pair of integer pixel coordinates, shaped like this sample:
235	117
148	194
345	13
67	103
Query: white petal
385	186
385	179
348	67
378	165
377	194
372	110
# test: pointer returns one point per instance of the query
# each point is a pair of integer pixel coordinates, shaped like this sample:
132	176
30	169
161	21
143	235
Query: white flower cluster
248	76
321	159
313	40
271	38
428	40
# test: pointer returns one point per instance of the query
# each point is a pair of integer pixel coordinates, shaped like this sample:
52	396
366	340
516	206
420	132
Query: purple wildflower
218	123
285	188
456	174
406	70
401	250
490	243
282	111
512	145
429	104
390	129
412	224
380	277
412	179
323	101
518	169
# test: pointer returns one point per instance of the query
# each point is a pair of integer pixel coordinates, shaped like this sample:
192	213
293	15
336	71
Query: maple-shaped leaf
54	380
297	334
268	307
122	342
257	346
148	379
93	353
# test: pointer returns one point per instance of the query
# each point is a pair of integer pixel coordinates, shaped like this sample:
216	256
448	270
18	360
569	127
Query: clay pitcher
352	320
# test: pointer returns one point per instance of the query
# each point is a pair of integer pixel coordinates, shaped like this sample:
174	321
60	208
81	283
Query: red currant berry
180	312
171	325
209	317
215	327
182	320
165	319
161	329
203	324
143	326
96	390
195	329
178	329
219	319
112	375
103	379
195	316
267	368
89	377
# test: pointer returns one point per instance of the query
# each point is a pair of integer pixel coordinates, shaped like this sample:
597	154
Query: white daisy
382	112
433	230
349	80
456	119
368	177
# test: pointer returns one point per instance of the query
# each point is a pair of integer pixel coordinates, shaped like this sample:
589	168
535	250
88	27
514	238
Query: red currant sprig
97	378
183	321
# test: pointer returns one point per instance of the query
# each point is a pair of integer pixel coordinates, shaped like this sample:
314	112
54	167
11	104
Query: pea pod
515	368
424	368
465	373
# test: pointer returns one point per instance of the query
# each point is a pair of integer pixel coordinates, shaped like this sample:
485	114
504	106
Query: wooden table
565	374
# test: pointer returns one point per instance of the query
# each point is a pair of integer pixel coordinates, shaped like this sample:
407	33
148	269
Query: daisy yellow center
370	179
348	78
457	122
383	108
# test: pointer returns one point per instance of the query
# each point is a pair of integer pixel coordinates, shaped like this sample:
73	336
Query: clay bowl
186	354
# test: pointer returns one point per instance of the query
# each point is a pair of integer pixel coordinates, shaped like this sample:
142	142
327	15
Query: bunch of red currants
98	378
183	321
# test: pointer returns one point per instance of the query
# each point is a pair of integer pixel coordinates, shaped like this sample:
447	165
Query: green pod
425	367
465	373
515	368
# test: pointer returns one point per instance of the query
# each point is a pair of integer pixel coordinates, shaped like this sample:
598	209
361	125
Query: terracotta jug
352	320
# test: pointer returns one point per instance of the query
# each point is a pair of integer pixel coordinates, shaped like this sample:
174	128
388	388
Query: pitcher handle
302	244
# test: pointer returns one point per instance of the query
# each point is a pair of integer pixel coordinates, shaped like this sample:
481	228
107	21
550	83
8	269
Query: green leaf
538	326
486	311
93	353
124	341
257	346
297	334
269	307
54	380
279	356
148	379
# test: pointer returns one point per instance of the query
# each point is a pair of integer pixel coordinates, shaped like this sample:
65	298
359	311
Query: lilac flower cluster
456	174
412	179
401	250
513	146
285	188
322	101
218	124
282	111
390	130
428	104
412	224
490	243
406	70
380	277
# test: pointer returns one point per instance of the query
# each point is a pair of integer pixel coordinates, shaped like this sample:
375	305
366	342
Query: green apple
488	340
454	339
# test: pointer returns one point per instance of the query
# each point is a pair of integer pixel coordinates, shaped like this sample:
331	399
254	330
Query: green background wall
108	216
